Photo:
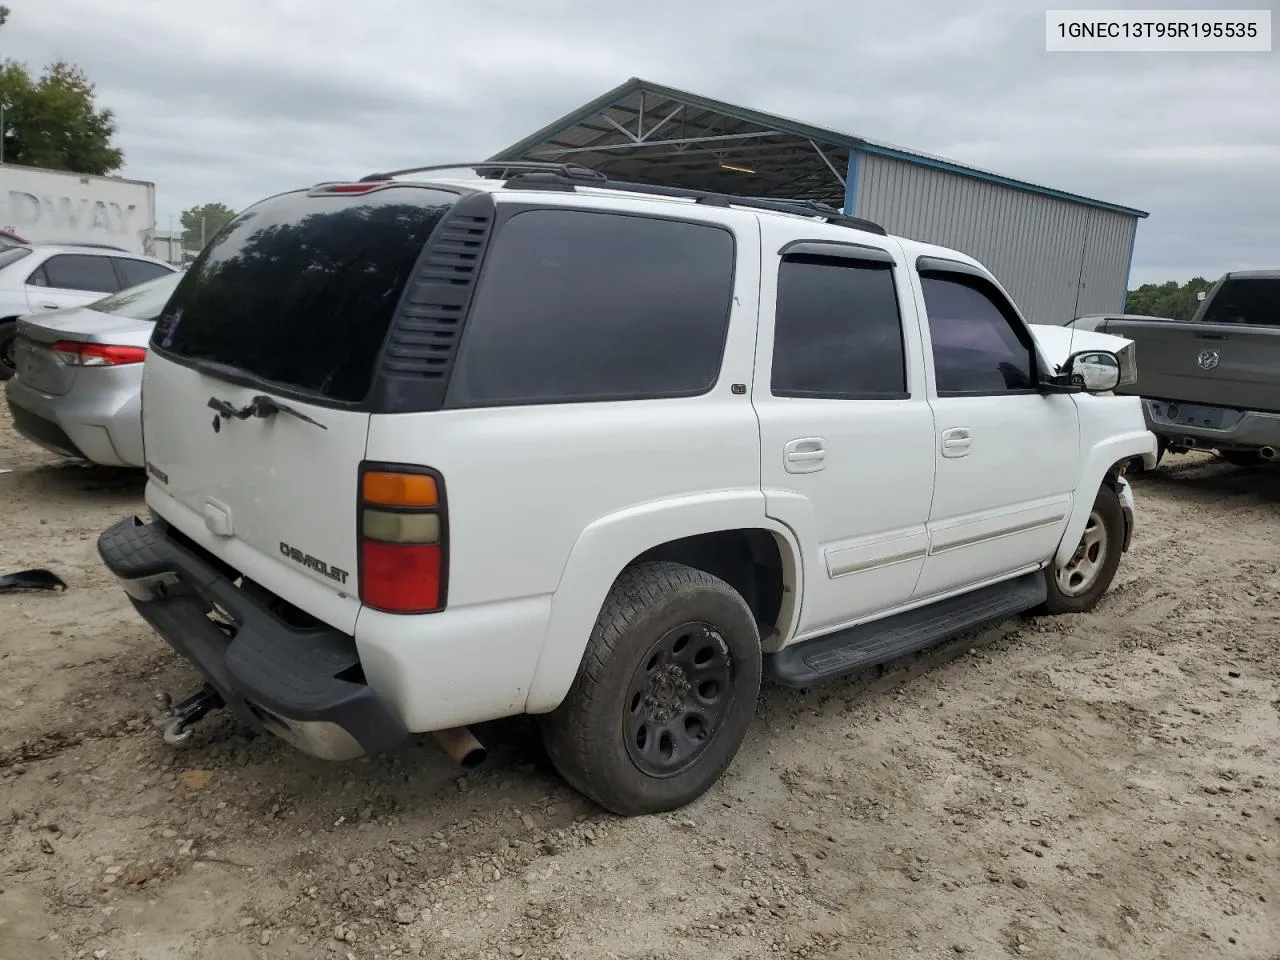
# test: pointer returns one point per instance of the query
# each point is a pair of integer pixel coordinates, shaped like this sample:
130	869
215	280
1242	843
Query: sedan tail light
76	354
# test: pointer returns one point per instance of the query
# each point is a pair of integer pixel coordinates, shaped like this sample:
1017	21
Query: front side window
580	306
977	349
75	271
837	330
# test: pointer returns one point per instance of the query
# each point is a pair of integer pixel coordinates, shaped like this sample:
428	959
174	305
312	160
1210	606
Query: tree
53	120
199	224
4	16
1168	299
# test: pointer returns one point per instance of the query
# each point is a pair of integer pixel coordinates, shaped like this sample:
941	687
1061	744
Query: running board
868	644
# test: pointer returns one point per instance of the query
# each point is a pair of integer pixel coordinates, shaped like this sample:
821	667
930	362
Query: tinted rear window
577	306
1253	302
299	291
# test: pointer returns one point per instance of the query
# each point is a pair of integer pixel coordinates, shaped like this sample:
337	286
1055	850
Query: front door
1006	454
70	280
846	432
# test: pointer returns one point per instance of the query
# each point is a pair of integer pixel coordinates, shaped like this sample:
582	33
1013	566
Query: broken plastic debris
31	580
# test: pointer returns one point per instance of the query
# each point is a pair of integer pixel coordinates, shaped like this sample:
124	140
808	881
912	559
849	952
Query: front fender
1100	459
601	553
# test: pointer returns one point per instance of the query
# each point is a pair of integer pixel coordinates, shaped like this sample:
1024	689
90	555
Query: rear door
70	280
846	433
290	302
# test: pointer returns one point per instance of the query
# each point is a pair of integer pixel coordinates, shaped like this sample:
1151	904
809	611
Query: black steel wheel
679	696
665	693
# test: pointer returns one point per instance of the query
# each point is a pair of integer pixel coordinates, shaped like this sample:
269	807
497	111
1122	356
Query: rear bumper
304	684
1238	428
102	426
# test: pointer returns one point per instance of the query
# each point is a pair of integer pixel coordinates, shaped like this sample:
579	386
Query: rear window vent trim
423	341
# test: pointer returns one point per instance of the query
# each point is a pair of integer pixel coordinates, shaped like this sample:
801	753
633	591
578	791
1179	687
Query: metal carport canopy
648	133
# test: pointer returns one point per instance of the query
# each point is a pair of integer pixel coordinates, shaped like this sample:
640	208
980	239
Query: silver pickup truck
1212	382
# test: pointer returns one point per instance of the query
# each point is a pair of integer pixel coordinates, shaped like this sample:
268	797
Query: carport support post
851	184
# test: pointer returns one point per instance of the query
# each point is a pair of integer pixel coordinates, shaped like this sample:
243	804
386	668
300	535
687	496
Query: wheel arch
726	532
1102	462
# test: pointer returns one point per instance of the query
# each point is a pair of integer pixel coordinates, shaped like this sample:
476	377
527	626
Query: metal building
1059	254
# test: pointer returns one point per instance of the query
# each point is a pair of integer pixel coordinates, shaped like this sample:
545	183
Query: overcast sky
234	100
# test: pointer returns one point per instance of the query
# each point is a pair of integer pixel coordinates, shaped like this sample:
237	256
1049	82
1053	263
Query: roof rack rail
569	171
545	180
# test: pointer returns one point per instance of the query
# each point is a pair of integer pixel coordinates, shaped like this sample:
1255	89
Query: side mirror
1093	371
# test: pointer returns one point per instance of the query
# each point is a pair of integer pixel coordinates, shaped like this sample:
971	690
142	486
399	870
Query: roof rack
568	171
548	180
530	175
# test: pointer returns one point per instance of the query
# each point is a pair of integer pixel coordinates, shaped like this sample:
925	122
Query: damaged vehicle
429	452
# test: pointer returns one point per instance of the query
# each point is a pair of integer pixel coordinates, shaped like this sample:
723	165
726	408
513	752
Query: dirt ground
1097	786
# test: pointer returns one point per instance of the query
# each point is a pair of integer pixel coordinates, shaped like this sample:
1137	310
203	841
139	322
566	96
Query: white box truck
54	206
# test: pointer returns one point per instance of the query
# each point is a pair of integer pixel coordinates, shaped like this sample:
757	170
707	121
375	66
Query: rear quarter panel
547	503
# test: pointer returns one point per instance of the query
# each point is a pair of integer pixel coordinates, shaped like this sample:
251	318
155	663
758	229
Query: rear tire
665	692
8	338
1242	458
1078	586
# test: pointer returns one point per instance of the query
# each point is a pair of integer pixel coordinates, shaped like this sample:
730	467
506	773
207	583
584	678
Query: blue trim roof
797	128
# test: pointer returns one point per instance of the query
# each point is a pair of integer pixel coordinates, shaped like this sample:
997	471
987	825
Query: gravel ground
1076	787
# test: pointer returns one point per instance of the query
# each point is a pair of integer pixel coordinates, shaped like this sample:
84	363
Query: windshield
10	254
142	302
1253	301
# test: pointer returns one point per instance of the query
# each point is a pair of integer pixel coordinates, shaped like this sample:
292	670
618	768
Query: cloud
236	100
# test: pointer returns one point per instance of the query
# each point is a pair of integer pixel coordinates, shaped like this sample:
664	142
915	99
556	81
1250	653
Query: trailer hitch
175	721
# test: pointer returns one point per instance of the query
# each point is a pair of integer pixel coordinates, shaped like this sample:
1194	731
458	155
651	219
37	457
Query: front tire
665	692
1079	585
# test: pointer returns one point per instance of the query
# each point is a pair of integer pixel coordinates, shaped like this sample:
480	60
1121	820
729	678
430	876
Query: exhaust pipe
1267	453
461	746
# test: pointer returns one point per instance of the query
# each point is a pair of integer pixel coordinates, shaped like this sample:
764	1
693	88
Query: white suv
35	278
433	452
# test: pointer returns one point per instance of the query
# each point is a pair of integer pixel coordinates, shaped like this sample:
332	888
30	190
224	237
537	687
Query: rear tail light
77	354
403	527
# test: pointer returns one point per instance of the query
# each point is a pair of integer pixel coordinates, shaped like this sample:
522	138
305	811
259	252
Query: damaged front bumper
278	671
1125	493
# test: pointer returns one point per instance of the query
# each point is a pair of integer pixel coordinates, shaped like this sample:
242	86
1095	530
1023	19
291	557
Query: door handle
956	442
805	455
48	306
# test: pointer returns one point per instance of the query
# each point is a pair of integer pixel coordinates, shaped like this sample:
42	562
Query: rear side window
1255	302
298	291
579	306
73	271
977	350
837	331
135	272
